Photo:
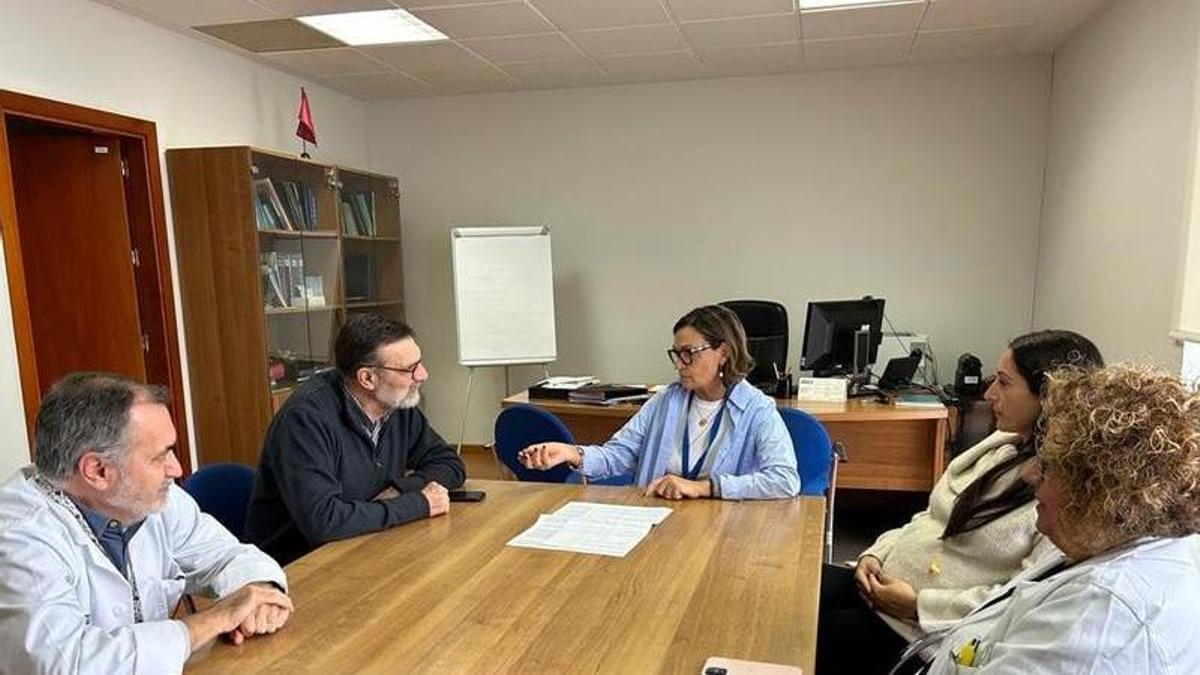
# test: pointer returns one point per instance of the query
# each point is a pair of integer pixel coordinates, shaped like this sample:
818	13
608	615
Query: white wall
198	94
918	184
1120	138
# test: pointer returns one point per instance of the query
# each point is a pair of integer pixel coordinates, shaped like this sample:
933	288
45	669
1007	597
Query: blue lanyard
692	473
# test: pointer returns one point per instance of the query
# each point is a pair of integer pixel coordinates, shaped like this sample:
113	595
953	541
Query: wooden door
75	242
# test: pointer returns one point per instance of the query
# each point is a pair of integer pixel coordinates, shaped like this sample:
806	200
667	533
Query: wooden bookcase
273	253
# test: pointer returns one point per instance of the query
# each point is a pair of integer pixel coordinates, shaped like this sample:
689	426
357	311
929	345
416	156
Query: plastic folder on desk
606	393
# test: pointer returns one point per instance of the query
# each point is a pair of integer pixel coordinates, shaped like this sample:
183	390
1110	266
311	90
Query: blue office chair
523	425
223	491
817	458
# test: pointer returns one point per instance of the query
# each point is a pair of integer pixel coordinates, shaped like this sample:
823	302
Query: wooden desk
889	448
445	595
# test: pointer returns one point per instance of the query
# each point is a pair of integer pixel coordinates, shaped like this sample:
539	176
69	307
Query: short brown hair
719	325
1124	443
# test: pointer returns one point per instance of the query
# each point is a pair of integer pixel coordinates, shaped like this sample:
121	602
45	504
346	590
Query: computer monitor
829	335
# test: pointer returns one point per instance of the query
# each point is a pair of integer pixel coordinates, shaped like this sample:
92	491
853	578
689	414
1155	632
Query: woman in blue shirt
711	434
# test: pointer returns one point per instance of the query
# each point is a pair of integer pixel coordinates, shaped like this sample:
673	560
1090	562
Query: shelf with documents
274	253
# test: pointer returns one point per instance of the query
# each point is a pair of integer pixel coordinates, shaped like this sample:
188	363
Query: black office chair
766	325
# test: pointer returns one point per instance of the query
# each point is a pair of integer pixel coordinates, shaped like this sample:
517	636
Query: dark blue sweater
319	471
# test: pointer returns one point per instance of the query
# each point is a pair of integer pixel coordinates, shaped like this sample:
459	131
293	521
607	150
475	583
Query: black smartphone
467	495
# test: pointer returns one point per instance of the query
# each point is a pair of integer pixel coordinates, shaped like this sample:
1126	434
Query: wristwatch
579	449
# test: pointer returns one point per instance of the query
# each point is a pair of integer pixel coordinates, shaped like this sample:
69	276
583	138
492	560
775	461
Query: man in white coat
98	545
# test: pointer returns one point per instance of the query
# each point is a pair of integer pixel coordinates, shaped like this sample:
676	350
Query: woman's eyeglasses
686	355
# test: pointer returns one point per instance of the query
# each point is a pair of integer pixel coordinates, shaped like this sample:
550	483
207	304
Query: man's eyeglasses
686	355
407	371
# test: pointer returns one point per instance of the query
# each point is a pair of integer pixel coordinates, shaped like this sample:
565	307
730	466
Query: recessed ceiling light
381	27
847	4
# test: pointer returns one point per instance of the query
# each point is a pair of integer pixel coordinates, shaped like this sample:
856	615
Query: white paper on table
652	515
584	527
565	534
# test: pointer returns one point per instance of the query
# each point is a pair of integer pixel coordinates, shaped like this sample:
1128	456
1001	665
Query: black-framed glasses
686	355
410	371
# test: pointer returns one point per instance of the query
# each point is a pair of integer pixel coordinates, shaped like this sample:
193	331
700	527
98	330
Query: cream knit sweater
954	576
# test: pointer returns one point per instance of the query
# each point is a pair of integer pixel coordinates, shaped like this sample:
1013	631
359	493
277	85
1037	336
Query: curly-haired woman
1118	489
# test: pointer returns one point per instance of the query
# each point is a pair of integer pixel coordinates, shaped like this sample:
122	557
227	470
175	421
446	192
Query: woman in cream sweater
976	534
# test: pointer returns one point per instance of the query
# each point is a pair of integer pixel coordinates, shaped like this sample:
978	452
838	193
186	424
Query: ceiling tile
310	7
561	74
959	43
321	63
379	85
652	67
864	51
752	60
861	21
411	4
271	36
464	82
428	56
569	15
693	10
525	48
473	21
192	13
948	14
735	32
631	40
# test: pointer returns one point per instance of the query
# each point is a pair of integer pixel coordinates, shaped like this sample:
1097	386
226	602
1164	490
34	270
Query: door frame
161	329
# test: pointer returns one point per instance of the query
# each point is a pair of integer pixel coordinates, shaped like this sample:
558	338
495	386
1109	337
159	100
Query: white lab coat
64	606
1132	610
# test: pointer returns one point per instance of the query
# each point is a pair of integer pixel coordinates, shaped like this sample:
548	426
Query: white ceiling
535	44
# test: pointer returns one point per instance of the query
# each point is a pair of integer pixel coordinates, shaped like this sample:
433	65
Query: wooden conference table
445	595
889	448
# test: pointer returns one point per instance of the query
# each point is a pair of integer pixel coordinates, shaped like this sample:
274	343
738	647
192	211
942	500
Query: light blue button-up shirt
65	607
755	458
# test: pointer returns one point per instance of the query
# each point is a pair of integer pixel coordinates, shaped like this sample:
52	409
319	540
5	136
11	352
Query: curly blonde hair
1124	444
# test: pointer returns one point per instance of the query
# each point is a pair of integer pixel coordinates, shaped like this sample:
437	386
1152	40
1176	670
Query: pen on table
775	366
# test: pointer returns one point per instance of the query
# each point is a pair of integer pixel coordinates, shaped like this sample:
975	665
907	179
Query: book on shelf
272	206
607	393
283	279
364	205
358	213
294	203
314	291
350	224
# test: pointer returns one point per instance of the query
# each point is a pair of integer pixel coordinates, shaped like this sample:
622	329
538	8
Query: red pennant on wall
306	130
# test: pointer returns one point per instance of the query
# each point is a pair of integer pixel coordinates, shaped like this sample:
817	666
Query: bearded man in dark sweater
349	452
